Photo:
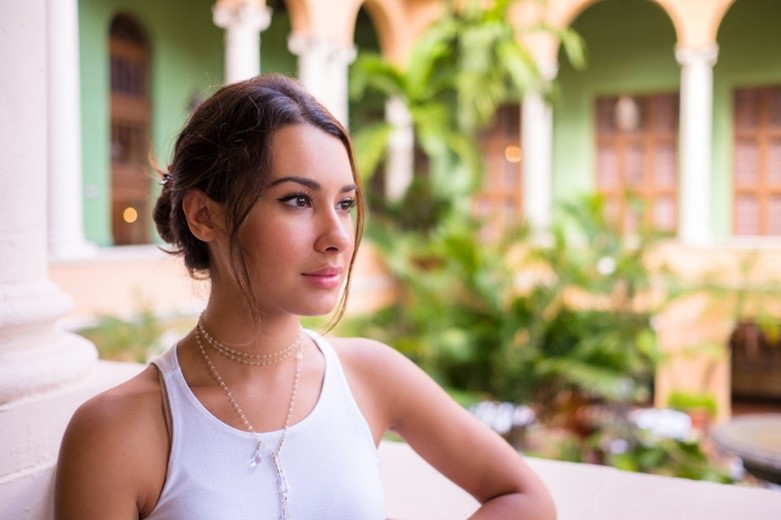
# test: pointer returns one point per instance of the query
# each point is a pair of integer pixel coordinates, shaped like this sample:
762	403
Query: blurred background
574	205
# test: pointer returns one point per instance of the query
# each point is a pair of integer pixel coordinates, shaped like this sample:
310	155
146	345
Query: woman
249	415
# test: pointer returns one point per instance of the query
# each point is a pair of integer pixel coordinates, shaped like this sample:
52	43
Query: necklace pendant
257	457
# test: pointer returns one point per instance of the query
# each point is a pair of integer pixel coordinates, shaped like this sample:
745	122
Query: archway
616	122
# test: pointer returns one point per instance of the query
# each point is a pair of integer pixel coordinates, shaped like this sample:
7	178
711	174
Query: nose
335	233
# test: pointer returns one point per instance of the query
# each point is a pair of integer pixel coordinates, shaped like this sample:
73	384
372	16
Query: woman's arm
447	436
113	455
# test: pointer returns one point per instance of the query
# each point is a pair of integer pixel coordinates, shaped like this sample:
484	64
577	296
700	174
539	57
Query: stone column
322	69
400	160
65	219
243	24
537	158
44	373
695	142
34	356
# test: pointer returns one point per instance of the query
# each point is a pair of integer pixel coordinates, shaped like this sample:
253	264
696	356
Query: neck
241	332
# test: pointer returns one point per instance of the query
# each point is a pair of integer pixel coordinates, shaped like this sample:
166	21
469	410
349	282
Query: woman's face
299	237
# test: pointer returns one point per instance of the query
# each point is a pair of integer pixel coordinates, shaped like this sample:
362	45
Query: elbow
541	505
537	505
547	507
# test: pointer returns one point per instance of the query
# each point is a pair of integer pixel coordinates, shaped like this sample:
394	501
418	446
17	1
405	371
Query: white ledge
581	491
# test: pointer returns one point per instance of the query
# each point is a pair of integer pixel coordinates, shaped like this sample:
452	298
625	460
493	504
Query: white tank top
330	459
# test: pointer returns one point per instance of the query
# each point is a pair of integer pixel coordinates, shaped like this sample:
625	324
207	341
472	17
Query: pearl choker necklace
257	455
249	358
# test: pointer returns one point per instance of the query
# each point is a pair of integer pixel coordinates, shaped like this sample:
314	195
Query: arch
696	22
562	13
419	17
398	23
300	17
388	21
631	55
125	27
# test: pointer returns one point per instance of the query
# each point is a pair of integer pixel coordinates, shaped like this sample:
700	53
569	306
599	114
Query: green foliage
647	453
119	339
469	317
133	339
616	441
462	68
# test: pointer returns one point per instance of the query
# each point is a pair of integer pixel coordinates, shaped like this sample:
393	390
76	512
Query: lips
326	271
325	278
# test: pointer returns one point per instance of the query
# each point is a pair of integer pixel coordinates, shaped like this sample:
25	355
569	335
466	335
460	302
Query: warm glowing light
130	215
513	153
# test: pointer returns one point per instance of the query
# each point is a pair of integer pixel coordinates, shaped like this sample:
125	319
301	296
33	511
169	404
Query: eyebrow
309	183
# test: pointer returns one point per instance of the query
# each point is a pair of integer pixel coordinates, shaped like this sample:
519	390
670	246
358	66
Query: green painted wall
274	54
749	43
186	55
630	47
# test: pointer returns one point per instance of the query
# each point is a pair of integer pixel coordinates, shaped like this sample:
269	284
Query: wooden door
637	142
757	161
130	117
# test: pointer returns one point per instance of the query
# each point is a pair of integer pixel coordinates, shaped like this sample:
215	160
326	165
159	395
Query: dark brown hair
224	150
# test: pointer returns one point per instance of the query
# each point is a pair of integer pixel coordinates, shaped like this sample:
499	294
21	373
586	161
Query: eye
297	200
347	204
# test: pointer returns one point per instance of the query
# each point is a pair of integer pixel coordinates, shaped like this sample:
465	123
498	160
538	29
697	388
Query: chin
316	309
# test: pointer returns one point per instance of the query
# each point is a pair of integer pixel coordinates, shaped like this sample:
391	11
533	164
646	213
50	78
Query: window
130	114
757	163
637	159
499	201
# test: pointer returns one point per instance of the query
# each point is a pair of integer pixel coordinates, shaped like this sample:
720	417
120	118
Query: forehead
303	149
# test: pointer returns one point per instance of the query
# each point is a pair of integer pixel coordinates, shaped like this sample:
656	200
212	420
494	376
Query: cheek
277	246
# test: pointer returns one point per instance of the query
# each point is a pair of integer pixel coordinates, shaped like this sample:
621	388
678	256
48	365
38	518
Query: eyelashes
348	204
298	199
303	200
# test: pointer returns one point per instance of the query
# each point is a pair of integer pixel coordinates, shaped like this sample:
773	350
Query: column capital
693	55
245	15
301	44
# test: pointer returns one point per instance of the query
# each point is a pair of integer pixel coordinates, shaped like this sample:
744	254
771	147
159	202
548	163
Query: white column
65	219
322	69
400	159
695	142
34	355
243	24
537	156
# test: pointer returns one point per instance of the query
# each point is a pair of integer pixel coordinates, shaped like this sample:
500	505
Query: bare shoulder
113	406
114	452
367	354
381	367
386	380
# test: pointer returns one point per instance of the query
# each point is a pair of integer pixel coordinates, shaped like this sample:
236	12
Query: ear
203	215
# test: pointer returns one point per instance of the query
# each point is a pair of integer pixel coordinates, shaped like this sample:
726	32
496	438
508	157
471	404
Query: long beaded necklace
248	358
257	456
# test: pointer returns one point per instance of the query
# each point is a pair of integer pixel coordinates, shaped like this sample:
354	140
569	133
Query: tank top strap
167	362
